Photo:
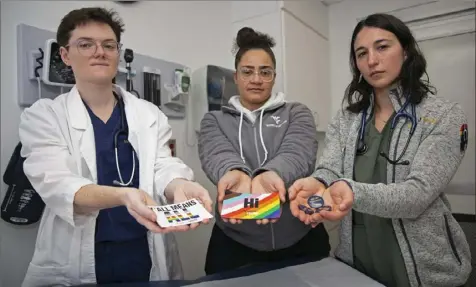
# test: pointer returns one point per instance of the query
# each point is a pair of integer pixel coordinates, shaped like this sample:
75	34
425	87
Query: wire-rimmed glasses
265	74
88	47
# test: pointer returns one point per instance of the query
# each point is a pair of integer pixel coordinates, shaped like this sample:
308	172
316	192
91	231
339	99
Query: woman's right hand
137	203
299	194
236	181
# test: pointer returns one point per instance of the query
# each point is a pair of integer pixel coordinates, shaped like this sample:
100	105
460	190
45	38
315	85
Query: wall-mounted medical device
55	71
177	91
41	72
212	87
152	85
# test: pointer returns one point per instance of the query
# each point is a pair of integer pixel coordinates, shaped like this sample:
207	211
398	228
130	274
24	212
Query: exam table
327	272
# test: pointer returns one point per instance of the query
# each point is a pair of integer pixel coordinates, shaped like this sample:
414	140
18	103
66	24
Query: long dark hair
358	92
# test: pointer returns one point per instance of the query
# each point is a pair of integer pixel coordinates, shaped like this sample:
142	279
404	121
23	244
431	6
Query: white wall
343	17
192	33
264	17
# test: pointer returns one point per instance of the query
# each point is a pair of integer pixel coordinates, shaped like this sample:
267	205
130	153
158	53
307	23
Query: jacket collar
396	97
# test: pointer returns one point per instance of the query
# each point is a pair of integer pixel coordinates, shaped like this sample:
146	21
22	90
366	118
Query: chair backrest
22	205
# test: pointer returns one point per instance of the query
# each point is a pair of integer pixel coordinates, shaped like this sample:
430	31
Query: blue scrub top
114	224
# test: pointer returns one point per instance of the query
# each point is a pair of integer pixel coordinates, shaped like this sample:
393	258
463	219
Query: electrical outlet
173	147
32	64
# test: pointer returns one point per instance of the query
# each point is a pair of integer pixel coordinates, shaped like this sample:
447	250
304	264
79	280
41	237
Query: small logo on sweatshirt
277	122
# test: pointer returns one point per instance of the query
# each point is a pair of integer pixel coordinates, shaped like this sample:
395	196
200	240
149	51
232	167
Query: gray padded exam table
327	272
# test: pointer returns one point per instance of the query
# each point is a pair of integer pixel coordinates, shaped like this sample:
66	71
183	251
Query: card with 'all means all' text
177	214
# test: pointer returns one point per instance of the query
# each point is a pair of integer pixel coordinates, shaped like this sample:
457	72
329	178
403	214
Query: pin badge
463	132
315	201
306	209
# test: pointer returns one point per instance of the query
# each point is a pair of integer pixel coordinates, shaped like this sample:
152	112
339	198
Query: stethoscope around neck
122	130
402	113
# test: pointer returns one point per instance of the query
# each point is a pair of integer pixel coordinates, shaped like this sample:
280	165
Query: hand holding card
179	214
251	206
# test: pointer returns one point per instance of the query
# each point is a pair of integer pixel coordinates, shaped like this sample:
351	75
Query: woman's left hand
336	202
340	197
268	182
184	190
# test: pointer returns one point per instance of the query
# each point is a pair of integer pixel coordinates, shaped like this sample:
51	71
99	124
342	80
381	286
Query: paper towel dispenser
212	87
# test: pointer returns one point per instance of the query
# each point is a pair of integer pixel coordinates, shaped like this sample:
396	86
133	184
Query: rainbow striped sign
249	206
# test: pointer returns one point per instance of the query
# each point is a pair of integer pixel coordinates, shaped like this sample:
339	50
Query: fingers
206	201
244	186
194	225
331	215
314	224
293	205
144	211
262	221
150	225
347	200
315	218
222	186
295	188
234	221
281	189
257	188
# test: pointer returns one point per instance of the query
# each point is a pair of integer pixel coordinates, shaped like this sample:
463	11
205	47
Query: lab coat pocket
54	241
39	276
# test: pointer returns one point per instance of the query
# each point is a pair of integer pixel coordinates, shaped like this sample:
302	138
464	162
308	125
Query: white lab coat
58	142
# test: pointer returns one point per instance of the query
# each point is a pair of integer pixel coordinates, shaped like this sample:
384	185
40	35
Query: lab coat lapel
82	132
141	136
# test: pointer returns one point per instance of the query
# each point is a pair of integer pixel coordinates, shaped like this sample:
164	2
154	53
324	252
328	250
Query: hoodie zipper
411	252
273	243
256	144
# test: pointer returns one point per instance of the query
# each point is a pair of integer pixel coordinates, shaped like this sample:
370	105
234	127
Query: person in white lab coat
96	226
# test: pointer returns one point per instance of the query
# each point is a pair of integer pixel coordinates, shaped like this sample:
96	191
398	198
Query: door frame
438	19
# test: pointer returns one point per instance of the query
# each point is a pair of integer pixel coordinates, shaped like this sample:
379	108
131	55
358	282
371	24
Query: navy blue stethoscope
122	131
402	113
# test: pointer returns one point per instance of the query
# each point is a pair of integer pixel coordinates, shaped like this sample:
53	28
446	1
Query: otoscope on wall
129	57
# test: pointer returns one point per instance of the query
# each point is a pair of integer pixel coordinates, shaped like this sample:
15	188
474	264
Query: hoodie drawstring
261	137
239	137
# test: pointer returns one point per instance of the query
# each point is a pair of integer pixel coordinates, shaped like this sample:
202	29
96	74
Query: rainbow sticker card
183	213
250	206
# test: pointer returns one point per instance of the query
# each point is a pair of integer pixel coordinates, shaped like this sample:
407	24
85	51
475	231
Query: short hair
85	16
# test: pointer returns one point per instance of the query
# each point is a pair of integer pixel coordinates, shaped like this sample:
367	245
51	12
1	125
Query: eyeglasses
89	47
265	74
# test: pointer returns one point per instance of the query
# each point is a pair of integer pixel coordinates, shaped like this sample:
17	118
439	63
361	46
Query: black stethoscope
402	113
122	131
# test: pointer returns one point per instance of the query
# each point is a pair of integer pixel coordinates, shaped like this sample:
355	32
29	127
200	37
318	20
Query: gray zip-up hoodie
279	136
433	245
